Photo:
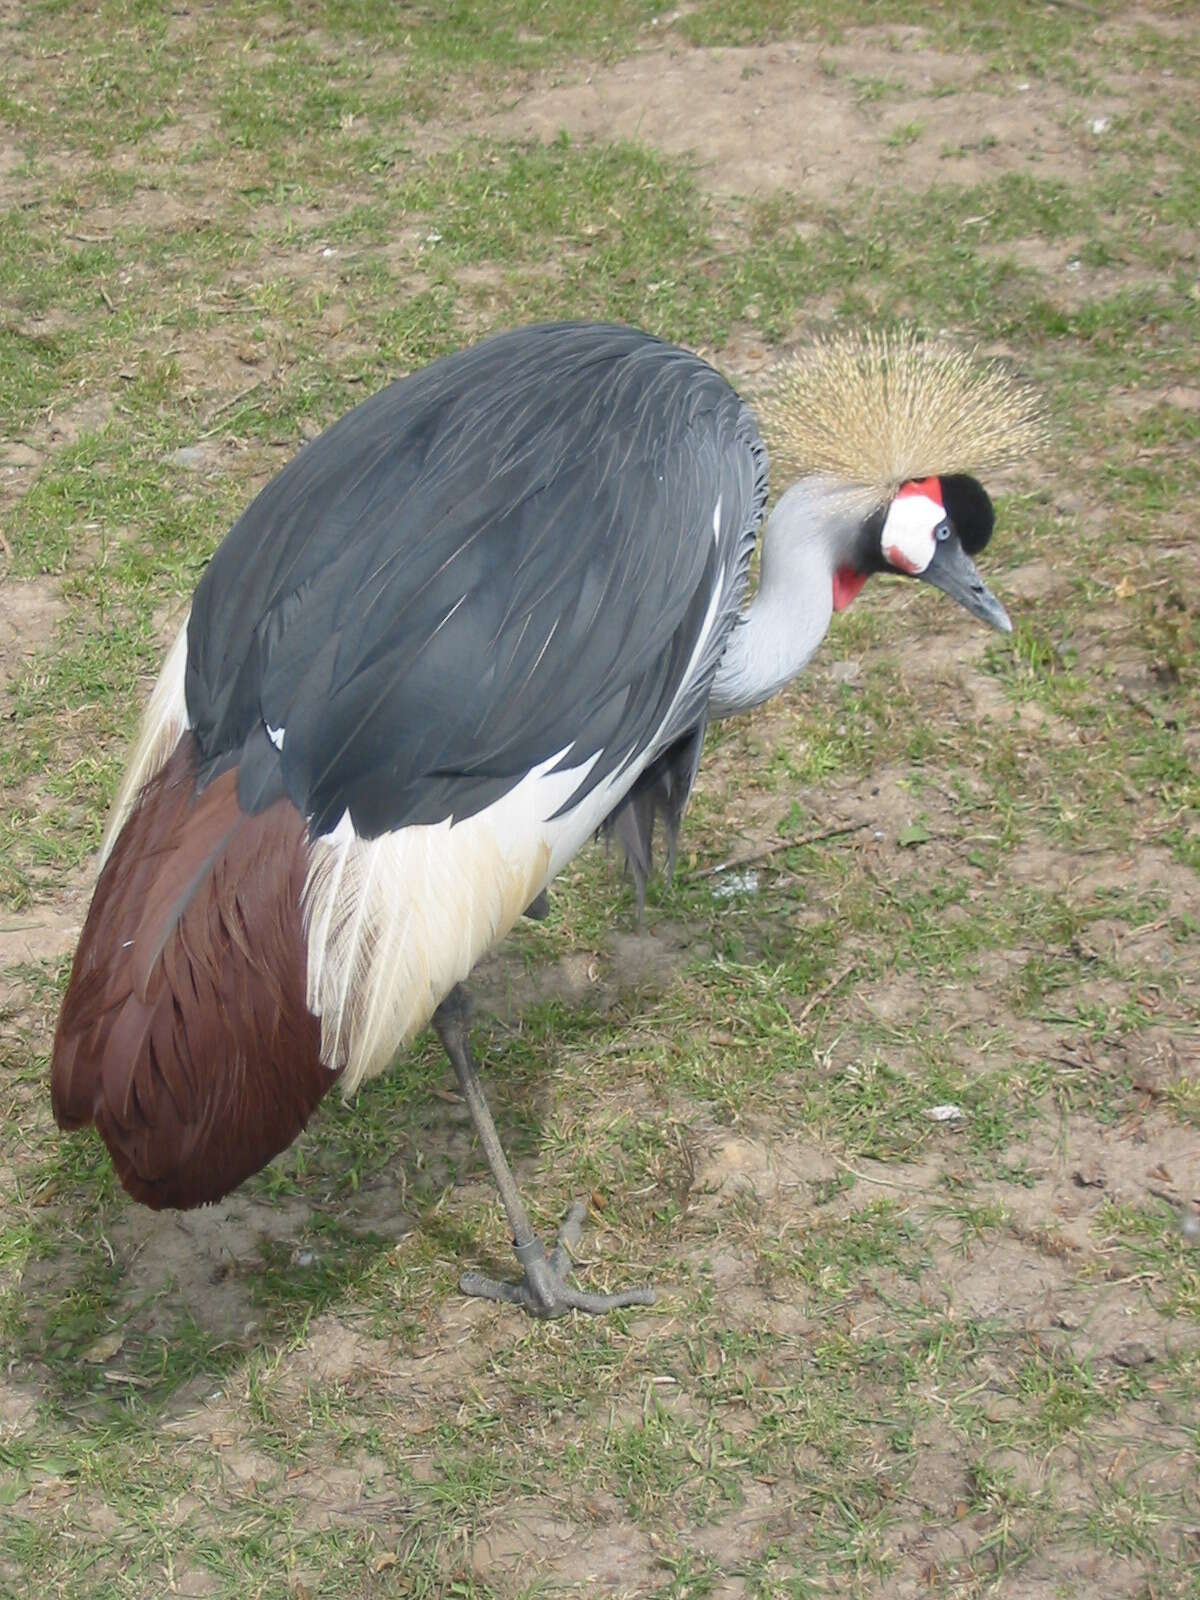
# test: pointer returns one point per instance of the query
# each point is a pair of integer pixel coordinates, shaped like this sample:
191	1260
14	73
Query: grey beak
953	571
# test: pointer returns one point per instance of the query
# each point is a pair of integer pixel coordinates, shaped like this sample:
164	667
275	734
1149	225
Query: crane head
901	424
930	530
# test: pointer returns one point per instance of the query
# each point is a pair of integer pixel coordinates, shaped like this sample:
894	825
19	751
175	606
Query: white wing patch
393	923
717	520
274	734
163	723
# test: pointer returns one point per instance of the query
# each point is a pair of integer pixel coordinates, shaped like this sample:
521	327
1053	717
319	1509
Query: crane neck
807	537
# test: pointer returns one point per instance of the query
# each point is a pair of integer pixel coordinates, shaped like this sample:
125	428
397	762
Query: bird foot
544	1290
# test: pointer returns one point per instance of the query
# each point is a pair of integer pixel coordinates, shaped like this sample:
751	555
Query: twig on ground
767	851
824	993
886	1183
228	405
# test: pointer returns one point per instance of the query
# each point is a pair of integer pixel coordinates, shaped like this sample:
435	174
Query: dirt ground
924	1213
719	109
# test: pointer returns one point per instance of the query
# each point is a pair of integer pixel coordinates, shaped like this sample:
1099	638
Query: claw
562	1257
543	1291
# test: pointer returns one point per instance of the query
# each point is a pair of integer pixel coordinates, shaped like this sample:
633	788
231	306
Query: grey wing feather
505	556
661	792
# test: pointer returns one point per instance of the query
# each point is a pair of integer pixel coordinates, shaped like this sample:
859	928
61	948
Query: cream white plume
163	722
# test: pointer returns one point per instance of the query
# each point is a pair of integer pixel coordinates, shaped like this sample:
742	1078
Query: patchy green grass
900	1119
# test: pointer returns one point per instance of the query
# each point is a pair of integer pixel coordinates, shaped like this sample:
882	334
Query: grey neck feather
807	537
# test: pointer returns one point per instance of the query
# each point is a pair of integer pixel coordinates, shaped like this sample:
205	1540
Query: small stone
104	1348
1133	1353
1150	1076
16	454
946	1113
734	883
188	455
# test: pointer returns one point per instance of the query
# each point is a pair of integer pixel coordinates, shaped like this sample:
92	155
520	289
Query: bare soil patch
1063	275
31	612
811	119
46	934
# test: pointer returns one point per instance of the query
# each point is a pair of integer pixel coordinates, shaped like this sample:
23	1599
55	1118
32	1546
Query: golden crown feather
874	410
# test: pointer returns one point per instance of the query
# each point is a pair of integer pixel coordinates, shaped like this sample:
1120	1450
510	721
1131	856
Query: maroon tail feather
184	1035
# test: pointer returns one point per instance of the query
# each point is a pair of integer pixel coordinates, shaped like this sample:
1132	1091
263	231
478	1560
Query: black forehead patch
969	507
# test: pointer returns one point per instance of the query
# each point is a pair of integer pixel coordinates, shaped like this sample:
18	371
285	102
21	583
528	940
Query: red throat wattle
847	585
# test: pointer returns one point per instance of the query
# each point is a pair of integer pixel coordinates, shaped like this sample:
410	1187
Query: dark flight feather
659	795
184	1034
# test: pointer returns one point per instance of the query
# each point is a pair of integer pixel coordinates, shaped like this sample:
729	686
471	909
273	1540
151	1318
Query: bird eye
942	532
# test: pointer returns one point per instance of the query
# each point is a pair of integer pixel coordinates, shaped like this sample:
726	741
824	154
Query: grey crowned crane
479	618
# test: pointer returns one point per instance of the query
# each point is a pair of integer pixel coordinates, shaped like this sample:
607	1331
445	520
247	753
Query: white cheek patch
907	540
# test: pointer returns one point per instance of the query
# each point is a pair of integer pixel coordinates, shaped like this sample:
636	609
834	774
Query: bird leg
543	1291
